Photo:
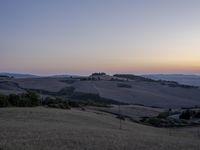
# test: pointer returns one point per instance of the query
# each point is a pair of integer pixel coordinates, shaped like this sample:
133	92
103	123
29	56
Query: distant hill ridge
21	75
193	80
18	75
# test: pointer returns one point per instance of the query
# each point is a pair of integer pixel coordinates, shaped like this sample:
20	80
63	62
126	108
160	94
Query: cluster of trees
59	103
189	114
99	74
32	99
133	77
29	99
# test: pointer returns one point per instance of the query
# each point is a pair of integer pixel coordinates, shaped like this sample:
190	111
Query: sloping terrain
47	84
8	87
145	93
55	129
138	91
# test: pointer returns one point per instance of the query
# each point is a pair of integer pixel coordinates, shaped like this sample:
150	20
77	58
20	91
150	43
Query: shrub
63	105
56	103
197	115
74	104
154	121
13	99
163	115
186	114
33	98
48	100
3	101
24	102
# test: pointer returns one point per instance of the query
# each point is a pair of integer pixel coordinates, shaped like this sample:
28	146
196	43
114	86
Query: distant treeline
32	99
98	74
29	99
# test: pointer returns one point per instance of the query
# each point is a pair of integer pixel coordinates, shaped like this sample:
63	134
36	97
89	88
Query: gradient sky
116	36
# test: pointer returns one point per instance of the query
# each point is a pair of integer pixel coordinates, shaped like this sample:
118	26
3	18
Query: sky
115	36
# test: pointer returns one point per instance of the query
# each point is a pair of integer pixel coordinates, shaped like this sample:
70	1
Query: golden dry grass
54	129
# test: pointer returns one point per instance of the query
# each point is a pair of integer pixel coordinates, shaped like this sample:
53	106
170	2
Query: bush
14	99
33	98
197	115
163	115
4	101
56	103
154	121
186	114
24	102
74	104
47	100
63	105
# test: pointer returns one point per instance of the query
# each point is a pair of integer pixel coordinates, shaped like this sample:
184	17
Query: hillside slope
55	129
144	92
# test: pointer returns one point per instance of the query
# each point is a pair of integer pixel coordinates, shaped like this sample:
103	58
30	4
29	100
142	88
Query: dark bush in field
3	101
197	114
48	100
56	103
33	98
163	115
63	105
14	99
187	114
74	104
154	121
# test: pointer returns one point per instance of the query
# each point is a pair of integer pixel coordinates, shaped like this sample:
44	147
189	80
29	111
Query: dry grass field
54	129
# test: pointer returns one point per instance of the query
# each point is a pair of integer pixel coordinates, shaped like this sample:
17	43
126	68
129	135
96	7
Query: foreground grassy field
54	129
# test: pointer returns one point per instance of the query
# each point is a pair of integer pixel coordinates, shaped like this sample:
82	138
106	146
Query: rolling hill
133	90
